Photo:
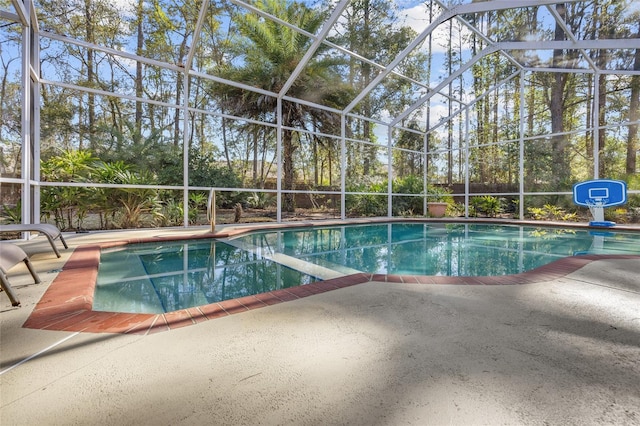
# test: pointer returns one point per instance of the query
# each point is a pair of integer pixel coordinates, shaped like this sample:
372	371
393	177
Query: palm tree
270	53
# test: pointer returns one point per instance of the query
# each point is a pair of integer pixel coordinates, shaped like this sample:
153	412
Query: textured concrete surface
561	352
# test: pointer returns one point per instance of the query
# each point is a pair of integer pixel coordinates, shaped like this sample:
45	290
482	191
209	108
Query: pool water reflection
154	278
440	249
167	276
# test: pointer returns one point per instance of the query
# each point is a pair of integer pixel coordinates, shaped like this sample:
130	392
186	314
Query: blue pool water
168	276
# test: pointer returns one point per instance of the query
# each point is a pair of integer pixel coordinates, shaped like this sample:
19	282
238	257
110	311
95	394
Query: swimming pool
155	278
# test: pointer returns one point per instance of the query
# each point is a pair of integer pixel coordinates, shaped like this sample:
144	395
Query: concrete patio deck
561	349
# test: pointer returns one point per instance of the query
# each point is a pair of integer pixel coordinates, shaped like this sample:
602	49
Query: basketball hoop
597	194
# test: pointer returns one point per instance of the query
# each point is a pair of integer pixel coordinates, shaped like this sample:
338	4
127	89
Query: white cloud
417	18
125	6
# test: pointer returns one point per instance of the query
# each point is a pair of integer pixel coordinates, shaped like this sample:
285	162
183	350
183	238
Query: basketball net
596	207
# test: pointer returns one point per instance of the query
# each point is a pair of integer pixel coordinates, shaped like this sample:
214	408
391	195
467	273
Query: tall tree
97	22
359	31
561	170
634	115
271	53
139	84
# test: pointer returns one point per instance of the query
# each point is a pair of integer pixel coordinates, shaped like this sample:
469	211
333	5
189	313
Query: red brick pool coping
67	304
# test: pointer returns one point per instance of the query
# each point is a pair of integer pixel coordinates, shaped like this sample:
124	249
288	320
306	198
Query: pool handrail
211	209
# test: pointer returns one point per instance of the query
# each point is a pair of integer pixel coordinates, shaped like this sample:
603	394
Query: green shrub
408	205
367	204
552	212
12	214
485	204
68	204
261	200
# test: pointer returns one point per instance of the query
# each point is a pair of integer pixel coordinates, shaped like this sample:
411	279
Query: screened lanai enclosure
126	113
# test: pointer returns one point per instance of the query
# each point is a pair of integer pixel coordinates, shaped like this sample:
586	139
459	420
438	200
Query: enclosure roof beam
472	103
616	43
271	17
521	45
111	51
570	35
480	34
487	51
322	39
196	34
22	12
445	16
305	33
232	83
4	14
401	56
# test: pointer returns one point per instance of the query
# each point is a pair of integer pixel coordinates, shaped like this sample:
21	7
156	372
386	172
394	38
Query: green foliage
270	54
263	54
551	212
486	204
12	214
197	203
119	207
71	202
261	200
455	209
173	208
205	170
367	204
172	213
405	205
439	194
617	214
515	202
128	207
135	206
371	204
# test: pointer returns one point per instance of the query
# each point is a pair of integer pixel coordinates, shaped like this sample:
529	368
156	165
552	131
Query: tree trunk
368	150
634	115
137	135
255	156
450	110
182	52
288	199
560	170
91	109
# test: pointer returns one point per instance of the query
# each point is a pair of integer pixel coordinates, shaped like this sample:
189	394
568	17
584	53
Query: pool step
300	265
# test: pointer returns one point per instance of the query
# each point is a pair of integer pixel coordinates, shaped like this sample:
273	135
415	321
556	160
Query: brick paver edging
67	304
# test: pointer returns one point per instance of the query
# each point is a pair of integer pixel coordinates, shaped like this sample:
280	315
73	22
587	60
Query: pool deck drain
67	303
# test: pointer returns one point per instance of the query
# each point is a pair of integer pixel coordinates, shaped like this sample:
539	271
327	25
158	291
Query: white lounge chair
10	256
50	231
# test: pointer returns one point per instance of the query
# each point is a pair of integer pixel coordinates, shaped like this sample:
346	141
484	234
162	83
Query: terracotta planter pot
436	209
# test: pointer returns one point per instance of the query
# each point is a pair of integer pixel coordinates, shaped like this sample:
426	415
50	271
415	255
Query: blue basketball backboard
601	192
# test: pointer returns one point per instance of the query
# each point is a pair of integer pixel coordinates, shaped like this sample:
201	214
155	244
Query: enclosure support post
34	128
343	167
521	150
279	158
26	122
596	126
185	146
466	164
389	174
425	144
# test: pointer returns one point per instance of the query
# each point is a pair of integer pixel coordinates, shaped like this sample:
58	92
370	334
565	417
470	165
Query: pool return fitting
211	209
